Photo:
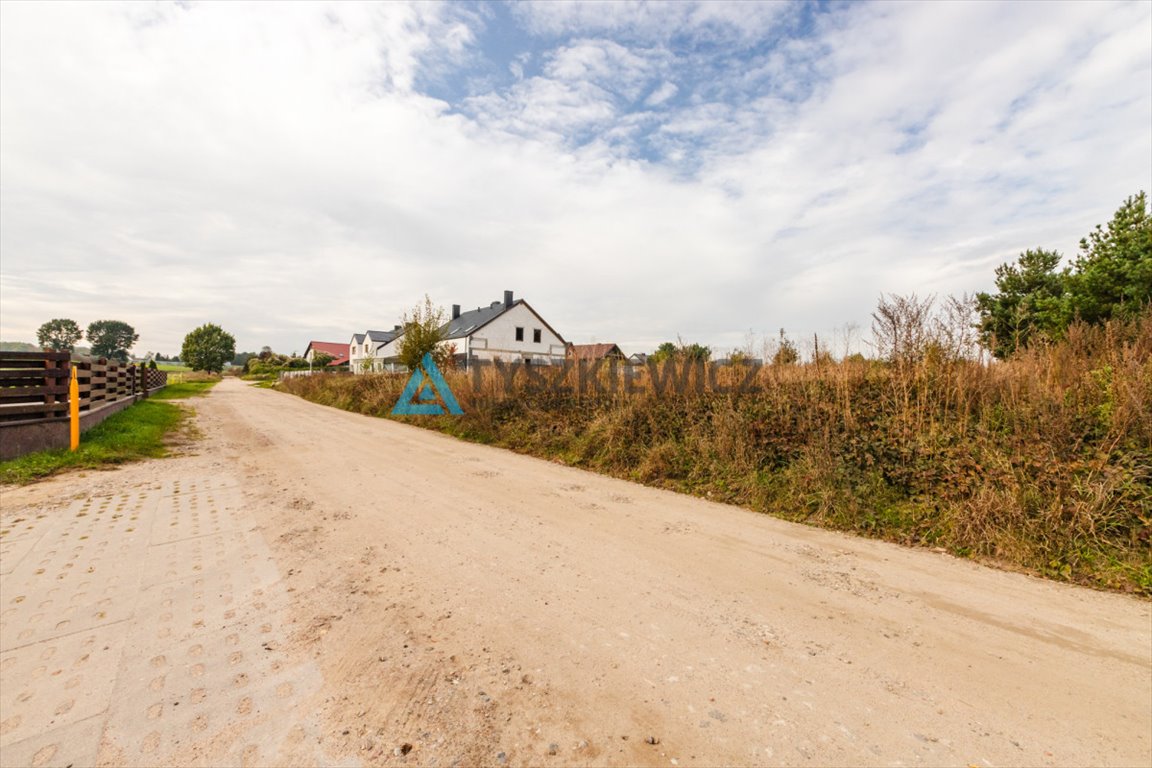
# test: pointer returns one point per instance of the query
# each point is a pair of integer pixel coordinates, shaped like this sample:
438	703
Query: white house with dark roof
509	330
365	350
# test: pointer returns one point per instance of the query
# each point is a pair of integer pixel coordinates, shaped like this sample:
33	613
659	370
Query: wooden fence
34	396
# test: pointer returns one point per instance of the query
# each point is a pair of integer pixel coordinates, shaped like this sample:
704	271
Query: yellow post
74	408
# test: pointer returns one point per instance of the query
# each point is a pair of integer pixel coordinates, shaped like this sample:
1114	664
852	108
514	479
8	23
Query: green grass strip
138	432
183	390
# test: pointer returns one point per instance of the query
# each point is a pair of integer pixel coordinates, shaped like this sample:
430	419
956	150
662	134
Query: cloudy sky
637	171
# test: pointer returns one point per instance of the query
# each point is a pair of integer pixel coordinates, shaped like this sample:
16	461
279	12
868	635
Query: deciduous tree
666	351
112	339
422	334
696	353
60	334
208	348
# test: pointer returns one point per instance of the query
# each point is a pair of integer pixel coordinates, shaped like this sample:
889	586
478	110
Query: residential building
510	331
334	349
593	352
366	350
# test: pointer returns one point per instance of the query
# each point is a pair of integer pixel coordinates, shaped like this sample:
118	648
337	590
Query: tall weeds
1043	462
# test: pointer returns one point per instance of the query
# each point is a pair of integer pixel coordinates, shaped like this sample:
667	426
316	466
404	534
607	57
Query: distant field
173	367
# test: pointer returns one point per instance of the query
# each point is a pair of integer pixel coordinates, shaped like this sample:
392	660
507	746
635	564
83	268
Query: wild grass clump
1042	462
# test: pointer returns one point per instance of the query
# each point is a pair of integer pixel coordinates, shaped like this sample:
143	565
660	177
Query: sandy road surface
319	587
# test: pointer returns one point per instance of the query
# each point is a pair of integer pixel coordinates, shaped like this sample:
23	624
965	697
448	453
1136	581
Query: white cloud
587	85
738	21
276	169
665	91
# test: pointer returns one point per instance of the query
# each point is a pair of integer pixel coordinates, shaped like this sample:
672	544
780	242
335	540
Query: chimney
507	299
395	328
455	311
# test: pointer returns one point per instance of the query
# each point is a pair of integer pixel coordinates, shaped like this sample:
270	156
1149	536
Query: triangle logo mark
424	387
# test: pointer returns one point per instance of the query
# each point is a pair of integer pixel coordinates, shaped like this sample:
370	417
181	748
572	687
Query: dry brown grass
1042	463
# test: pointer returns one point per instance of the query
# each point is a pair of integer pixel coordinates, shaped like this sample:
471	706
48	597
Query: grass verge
184	389
141	431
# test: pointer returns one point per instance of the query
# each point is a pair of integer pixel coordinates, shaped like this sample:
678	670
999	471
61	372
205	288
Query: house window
536	335
519	333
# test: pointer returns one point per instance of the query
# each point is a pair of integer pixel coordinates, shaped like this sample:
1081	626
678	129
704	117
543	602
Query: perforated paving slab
81	573
145	628
13	551
21	525
19	533
191	513
59	682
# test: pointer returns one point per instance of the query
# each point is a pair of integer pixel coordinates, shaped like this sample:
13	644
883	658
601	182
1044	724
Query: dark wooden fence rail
33	385
34	395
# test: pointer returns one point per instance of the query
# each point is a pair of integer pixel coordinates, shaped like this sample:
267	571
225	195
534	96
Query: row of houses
509	330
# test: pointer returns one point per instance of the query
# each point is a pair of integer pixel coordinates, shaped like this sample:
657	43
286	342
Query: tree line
109	338
207	348
1036	300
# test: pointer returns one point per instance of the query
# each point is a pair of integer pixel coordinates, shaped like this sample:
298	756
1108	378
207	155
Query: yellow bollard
74	408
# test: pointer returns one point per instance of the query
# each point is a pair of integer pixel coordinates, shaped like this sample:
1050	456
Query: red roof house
338	351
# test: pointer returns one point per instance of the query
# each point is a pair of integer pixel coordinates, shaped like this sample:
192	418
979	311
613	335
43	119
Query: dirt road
344	590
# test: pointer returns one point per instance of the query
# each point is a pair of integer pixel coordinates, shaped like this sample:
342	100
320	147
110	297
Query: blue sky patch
670	96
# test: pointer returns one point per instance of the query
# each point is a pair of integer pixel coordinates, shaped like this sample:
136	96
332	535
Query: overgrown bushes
1042	462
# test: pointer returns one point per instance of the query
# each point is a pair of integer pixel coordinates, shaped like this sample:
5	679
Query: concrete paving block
187	558
76	744
186	609
200	484
149	627
23	524
191	514
229	691
13	552
58	682
84	573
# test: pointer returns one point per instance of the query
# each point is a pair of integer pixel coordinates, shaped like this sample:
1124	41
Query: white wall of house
498	339
461	345
358	352
392	348
355	355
